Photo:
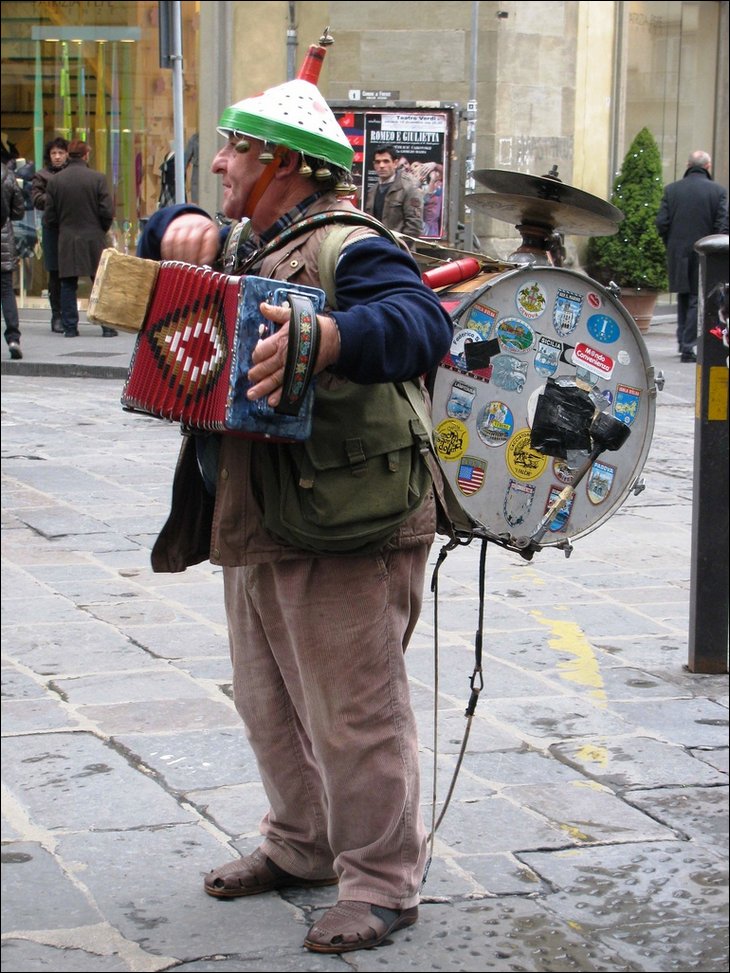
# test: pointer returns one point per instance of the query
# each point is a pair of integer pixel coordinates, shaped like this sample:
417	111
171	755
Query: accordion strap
304	328
301	354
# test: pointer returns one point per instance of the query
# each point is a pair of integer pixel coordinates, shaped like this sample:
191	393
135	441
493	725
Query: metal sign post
170	26
708	597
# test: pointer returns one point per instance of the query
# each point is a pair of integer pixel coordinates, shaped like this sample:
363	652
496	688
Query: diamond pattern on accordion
191	360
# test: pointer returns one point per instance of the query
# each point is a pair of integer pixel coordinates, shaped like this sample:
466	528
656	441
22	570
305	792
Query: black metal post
708	609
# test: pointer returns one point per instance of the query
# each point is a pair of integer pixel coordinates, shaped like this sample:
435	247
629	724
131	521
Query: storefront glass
671	71
91	71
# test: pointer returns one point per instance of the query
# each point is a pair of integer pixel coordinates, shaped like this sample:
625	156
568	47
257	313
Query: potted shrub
634	258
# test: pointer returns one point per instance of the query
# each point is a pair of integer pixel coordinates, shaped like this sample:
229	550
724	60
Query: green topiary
635	256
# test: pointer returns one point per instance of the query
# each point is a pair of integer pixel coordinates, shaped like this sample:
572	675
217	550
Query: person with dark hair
396	199
691	208
13	209
79	206
55	158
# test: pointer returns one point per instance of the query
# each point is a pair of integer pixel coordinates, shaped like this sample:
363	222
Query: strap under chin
301	354
264	181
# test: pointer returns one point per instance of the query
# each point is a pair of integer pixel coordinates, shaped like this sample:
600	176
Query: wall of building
553	83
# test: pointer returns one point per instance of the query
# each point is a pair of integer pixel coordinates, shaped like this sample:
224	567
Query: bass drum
512	332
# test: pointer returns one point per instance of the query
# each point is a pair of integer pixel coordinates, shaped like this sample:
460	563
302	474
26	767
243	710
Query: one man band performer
317	636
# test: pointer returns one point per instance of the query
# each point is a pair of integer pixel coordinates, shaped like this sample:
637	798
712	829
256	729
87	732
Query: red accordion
193	352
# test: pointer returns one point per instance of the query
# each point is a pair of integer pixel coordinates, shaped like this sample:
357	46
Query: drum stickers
470	477
520	329
566	312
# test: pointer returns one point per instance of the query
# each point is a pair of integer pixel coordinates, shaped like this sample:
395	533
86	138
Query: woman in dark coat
79	204
55	158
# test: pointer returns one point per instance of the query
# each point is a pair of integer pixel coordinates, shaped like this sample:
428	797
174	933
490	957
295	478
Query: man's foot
688	356
353	925
73	333
254	874
14	349
109	332
57	326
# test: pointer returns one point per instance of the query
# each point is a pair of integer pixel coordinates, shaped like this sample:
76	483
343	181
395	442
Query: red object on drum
452	272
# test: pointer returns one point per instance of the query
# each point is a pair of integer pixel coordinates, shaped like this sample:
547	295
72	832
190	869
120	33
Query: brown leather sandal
353	925
254	874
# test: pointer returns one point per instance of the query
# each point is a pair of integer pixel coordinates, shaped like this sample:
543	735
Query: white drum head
510	335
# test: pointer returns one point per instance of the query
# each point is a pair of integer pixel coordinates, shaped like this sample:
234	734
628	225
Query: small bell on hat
346	189
267	155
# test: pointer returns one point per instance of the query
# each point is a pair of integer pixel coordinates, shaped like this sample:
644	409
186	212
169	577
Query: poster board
426	140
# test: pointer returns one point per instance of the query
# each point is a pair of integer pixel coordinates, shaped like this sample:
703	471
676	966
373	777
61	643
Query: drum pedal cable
476	681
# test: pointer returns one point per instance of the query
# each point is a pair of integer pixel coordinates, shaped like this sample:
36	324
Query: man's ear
289	164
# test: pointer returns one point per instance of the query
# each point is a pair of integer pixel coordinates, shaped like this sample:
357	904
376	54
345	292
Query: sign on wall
422	138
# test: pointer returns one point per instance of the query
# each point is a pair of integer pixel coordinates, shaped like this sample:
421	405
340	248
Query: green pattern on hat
293	114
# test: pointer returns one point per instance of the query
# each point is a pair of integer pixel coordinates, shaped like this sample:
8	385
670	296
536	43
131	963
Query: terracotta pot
640	304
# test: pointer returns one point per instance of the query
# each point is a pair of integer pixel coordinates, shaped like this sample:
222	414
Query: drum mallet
607	433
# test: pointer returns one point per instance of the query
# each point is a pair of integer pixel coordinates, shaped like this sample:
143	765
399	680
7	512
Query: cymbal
553	215
518	197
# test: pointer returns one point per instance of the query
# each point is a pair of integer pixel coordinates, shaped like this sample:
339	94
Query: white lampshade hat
293	114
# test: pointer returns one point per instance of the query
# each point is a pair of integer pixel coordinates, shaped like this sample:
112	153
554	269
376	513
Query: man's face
58	156
384	165
239	172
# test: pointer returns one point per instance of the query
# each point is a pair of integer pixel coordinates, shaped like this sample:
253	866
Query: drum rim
508	540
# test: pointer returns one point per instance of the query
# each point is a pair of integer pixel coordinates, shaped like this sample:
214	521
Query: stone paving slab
588	825
635	883
74	778
146	868
29	869
31	955
637	762
698	813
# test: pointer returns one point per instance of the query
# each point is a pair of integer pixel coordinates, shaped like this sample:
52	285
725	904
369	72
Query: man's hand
269	356
192	238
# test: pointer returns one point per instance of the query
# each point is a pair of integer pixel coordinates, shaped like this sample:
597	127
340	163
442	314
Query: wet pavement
588	830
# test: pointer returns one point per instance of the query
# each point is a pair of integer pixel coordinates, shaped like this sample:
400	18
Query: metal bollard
708	609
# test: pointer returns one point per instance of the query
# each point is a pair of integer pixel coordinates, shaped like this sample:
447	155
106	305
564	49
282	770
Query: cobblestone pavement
588	830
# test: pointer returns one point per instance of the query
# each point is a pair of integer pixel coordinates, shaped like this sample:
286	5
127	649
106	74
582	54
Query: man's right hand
192	238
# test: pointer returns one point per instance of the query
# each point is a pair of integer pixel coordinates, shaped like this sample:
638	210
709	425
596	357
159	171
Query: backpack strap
453	519
310	223
329	254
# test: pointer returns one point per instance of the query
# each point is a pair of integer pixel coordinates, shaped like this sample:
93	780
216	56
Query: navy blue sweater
392	326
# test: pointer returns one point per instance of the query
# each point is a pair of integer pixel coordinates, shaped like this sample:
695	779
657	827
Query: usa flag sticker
470	478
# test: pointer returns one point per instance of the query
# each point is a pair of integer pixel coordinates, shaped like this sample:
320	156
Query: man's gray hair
699	158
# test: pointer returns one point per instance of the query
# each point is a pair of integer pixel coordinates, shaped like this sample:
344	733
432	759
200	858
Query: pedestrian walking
79	206
55	158
691	208
13	207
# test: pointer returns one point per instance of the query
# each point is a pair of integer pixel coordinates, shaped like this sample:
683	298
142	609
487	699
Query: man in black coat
691	208
79	205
